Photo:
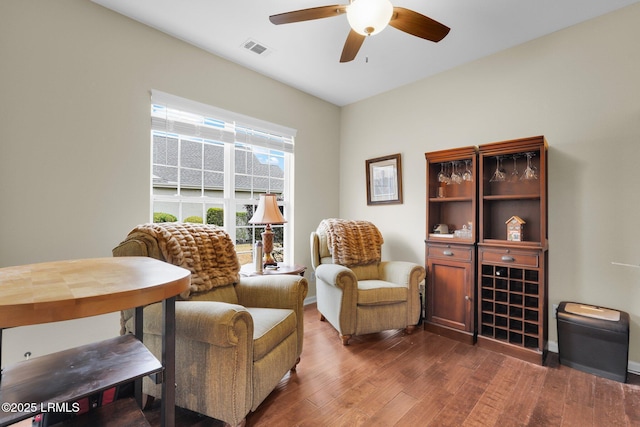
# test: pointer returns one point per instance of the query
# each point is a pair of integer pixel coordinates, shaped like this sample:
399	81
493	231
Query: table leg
167	405
138	321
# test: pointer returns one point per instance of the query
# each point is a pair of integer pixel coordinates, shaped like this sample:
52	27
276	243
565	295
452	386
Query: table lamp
267	213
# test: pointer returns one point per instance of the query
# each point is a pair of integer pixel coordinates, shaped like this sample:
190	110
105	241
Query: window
210	166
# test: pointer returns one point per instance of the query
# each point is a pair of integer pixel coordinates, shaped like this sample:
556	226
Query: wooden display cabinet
450	257
453	204
512	275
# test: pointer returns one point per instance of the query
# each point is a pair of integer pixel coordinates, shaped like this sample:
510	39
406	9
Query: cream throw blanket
207	251
352	242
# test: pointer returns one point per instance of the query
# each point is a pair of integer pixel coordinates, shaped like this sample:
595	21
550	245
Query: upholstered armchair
236	337
356	292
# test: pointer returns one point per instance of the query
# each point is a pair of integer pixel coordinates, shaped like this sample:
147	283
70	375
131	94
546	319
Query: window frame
240	133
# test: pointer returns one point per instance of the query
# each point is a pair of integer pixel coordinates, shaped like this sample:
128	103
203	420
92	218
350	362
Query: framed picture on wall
384	180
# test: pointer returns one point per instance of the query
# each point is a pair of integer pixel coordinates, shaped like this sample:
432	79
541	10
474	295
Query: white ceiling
306	55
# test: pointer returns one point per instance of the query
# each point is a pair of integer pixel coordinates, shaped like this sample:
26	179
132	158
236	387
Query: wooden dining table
72	289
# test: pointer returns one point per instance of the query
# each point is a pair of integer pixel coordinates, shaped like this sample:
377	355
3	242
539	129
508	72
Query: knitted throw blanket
352	242
207	251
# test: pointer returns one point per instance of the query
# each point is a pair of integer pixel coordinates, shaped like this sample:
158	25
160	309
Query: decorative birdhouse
515	229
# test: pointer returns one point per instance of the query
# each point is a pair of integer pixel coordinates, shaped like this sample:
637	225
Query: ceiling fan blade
308	14
351	46
418	25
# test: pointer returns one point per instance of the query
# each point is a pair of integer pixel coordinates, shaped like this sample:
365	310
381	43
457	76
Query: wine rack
510	305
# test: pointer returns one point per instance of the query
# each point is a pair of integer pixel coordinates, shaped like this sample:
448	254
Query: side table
248	270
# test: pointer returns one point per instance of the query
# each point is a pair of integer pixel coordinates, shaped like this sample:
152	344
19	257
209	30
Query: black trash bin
593	339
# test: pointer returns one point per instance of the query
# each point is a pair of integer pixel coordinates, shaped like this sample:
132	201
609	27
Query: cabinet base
454	334
528	355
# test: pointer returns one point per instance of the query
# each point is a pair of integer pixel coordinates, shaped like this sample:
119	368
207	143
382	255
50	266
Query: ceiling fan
366	18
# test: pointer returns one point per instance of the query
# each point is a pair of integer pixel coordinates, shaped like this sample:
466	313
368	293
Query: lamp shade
368	17
268	211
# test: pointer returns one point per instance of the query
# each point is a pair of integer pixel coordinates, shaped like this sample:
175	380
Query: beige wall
75	81
580	88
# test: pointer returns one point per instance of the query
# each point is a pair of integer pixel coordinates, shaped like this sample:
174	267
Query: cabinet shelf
457	240
449	199
513	245
501	200
512	197
70	375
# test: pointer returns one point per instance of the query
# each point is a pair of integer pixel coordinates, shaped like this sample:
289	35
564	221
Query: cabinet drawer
457	253
507	256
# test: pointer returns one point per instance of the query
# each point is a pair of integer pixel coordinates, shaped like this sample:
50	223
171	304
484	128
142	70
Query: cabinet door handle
447	253
508	258
466	297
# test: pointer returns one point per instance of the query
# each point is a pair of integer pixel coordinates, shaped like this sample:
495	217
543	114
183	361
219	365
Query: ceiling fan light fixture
369	17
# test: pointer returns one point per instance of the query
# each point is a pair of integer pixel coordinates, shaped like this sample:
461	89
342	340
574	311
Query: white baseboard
634	367
310	300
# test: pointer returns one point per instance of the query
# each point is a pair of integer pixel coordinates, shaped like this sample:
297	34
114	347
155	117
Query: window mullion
229	190
288	205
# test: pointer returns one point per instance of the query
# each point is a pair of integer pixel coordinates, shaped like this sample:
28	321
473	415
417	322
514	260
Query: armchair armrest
214	357
337	275
216	323
337	289
408	273
273	291
276	291
411	275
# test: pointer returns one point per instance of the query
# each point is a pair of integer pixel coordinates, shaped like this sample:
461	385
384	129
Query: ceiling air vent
256	47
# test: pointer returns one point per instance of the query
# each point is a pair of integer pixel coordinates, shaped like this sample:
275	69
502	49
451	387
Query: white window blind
191	118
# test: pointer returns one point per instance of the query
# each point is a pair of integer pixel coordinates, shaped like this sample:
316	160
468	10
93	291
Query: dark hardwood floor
393	379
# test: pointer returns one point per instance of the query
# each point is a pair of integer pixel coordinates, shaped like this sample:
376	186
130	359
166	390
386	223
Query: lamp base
267	242
269	261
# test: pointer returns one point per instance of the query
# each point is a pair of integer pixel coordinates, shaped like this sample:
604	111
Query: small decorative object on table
257	257
515	229
441	229
465	233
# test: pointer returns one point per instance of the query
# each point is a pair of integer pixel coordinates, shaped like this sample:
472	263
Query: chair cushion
270	327
377	292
